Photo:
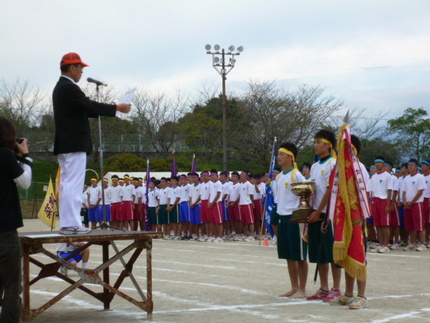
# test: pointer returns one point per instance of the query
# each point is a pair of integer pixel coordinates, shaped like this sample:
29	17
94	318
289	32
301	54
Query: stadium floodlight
223	62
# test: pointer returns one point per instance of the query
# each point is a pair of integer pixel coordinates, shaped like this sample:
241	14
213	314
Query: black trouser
10	277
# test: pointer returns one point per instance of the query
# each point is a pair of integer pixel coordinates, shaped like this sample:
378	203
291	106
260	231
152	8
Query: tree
151	111
22	104
412	133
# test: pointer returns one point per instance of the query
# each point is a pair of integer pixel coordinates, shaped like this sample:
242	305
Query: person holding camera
15	170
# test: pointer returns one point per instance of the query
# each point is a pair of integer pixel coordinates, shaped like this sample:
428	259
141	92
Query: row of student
400	206
207	208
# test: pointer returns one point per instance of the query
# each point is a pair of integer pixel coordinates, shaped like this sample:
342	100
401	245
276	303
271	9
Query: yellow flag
48	211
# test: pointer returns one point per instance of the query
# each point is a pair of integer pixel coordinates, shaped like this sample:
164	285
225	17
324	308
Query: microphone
91	80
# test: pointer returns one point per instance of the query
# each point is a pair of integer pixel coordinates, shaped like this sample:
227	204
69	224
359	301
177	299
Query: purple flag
194	165
174	166
148	178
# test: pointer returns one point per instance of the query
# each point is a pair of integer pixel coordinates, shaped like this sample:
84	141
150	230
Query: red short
247	214
204	211
137	212
380	218
115	211
394	217
426	209
215	213
234	213
126	210
257	210
414	218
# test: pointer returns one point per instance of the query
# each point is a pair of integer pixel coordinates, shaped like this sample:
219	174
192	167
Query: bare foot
288	294
299	294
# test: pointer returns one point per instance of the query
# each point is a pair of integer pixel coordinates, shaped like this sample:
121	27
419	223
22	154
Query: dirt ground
239	282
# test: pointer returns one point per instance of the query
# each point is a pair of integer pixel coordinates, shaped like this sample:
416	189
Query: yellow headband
288	152
93	179
332	152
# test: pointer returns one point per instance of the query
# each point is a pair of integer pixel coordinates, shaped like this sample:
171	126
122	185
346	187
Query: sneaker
249	239
218	240
403	244
342	300
166	237
409	247
333	294
211	239
75	230
319	295
358	303
203	239
421	247
395	246
384	250
178	238
63	270
374	245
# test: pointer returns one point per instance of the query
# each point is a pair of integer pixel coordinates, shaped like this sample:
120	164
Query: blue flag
269	199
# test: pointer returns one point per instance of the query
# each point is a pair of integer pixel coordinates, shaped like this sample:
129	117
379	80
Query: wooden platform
32	243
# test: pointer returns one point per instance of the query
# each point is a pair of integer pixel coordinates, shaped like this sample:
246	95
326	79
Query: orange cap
72	58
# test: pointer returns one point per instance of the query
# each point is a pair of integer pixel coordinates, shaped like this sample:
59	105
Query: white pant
71	182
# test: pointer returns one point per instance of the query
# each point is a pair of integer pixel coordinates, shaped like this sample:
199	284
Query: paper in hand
128	97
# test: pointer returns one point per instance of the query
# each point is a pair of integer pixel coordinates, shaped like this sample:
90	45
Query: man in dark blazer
73	138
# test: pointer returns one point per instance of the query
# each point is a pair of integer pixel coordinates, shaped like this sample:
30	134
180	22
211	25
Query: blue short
94	215
195	215
185	215
225	212
107	210
64	255
401	216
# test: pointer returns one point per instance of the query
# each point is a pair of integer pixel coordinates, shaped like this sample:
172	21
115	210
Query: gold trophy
304	190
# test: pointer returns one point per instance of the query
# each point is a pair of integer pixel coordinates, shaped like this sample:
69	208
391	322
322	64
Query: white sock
84	265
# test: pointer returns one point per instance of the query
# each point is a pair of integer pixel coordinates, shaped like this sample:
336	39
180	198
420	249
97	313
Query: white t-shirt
204	190
174	193
127	192
413	184
152	198
214	188
427	181
234	192
140	192
380	184
262	189
94	193
401	188
194	192
225	190
287	201
320	173
185	193
108	196
163	195
245	191
115	193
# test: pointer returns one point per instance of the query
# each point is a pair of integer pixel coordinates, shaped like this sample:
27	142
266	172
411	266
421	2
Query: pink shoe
319	295
334	293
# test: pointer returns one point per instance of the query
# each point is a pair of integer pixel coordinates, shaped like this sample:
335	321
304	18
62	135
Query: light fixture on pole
223	68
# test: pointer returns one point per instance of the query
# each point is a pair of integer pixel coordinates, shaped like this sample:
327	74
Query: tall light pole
223	68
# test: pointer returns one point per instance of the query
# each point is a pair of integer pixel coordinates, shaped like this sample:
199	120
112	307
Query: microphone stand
104	225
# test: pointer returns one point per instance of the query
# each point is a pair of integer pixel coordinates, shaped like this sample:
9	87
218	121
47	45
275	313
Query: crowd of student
208	207
213	207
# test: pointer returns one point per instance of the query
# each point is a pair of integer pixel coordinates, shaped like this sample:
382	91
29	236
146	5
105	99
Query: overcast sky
374	55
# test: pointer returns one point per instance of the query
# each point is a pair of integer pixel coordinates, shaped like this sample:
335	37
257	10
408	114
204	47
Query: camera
19	140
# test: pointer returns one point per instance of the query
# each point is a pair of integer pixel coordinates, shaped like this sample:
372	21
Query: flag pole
265	201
